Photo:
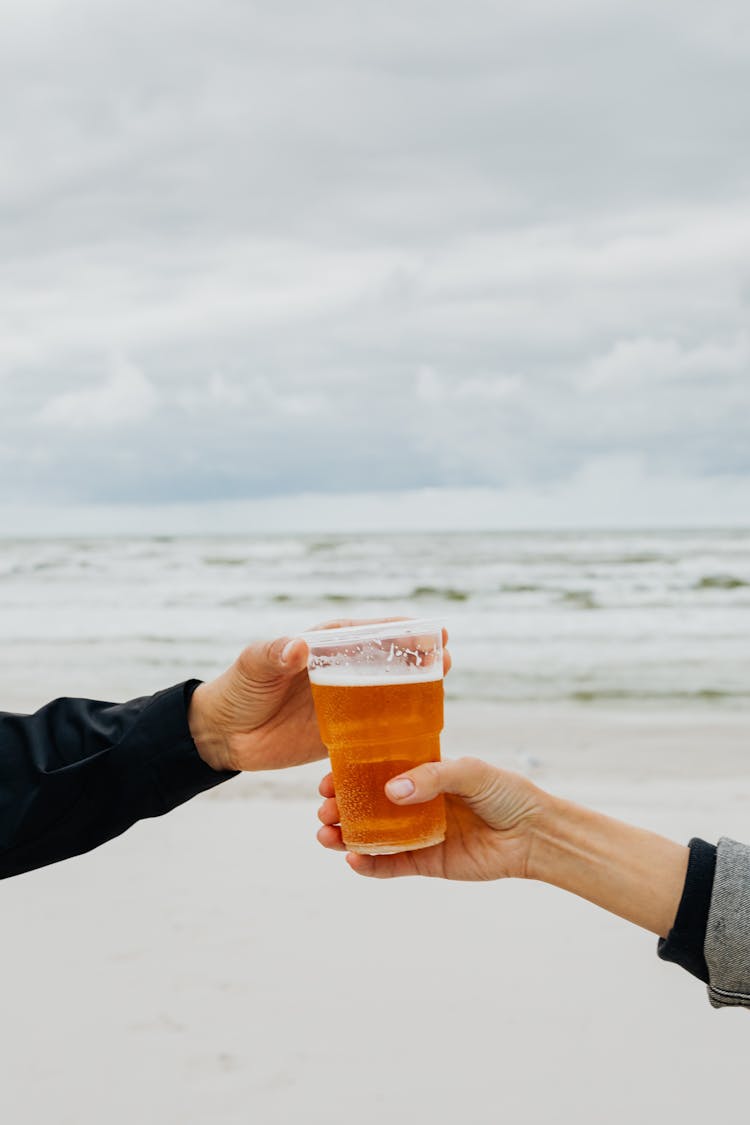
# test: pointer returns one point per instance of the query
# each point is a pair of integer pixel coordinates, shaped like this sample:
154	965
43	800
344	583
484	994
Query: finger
326	788
294	655
467	777
330	837
328	813
447	660
380	866
269	659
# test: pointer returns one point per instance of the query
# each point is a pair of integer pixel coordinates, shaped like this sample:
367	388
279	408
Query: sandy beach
218	966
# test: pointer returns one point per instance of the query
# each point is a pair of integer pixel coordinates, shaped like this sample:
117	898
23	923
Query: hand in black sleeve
80	772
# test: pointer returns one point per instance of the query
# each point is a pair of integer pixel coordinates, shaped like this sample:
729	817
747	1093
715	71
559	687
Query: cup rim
385	630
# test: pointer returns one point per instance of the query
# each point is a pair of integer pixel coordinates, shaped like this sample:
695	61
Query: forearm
628	871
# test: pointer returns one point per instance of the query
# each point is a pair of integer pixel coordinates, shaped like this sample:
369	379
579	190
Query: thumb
284	656
469	778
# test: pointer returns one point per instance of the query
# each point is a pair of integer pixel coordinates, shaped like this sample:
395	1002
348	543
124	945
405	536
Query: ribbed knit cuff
684	942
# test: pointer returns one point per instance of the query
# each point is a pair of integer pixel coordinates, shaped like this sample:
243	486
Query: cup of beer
378	694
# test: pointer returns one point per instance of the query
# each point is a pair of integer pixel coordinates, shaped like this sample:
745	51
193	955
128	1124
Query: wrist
206	732
547	841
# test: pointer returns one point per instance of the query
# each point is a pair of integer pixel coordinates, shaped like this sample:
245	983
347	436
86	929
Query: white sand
217	966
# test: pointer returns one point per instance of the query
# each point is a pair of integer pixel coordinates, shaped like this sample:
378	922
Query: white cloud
644	360
223	391
428	387
218	393
126	396
461	391
489	387
395	251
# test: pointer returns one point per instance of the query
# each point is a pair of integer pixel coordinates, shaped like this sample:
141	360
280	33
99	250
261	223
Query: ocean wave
319	545
605	695
624	695
616	621
418	593
581	599
638	559
720	582
443	593
522	588
224	560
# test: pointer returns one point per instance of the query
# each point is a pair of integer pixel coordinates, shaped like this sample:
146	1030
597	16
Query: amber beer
376	726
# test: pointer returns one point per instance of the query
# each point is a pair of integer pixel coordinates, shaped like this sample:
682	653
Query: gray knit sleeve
727	946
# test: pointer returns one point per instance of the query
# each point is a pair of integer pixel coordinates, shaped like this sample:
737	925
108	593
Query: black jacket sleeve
79	772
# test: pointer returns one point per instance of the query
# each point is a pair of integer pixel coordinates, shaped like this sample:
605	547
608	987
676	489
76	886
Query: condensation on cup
378	693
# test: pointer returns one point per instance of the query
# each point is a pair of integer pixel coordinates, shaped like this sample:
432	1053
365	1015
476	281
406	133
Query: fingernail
286	651
401	787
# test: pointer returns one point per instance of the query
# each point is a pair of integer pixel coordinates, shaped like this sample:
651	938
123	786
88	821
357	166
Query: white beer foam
332	676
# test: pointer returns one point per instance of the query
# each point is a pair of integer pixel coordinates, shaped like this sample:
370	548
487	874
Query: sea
588	619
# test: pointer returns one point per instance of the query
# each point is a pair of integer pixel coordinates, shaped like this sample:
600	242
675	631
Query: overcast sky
249	249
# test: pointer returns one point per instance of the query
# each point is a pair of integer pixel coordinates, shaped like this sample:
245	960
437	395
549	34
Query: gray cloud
346	246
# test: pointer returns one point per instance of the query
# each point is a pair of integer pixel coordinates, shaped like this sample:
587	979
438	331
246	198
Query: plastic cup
378	693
